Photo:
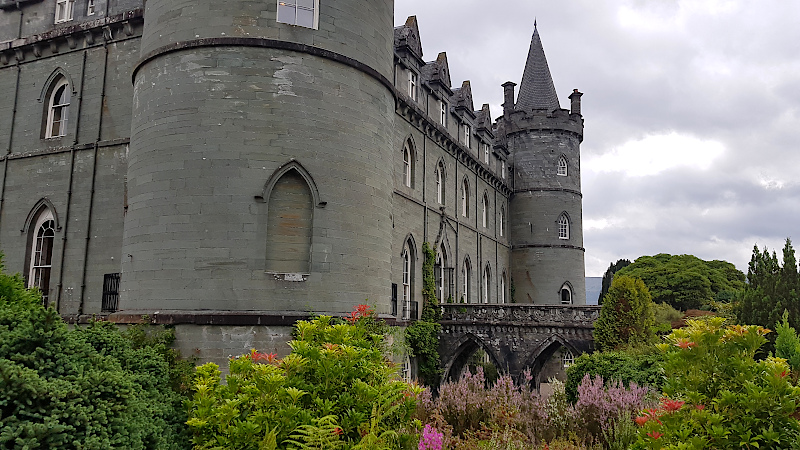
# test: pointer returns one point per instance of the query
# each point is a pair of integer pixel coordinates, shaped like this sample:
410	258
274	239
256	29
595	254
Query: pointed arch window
465	198
502	298
562	166
487	278
466	274
41	262
406	295
485	211
567	359
439	175
408	165
502	221
57	109
289	225
566	294
563	227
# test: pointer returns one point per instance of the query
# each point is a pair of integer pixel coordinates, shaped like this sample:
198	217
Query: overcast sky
690	107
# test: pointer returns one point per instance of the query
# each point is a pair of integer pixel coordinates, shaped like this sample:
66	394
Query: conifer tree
626	316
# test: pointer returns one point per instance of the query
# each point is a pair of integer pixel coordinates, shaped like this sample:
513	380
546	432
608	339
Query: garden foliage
717	396
87	388
626	316
422	336
334	390
642	367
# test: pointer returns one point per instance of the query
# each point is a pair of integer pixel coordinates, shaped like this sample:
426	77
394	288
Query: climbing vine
423	336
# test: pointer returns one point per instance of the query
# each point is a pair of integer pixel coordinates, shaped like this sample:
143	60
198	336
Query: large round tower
259	166
546	230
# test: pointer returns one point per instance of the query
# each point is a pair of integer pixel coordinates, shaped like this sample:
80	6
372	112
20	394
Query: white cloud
656	153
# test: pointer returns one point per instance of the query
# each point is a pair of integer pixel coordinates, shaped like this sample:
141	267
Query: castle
227	167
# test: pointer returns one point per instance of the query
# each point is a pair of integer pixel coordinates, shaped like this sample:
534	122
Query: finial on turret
534	24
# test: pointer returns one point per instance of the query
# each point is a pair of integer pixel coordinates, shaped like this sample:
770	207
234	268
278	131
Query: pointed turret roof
537	90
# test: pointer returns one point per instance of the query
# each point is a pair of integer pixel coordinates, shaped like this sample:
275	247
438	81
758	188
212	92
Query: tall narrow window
566	294
406	259
439	175
42	254
485	153
465	199
503	169
303	13
443	113
90	9
567	359
503	288
289	225
466	274
487	276
412	85
58	109
407	166
563	227
467	130
562	166
64	10
502	222
485	212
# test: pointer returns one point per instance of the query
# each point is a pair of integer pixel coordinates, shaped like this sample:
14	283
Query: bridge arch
466	346
544	352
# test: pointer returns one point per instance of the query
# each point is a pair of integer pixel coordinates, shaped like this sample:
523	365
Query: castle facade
228	167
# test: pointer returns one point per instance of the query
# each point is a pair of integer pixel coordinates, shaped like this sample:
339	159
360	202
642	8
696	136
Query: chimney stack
575	104
508	98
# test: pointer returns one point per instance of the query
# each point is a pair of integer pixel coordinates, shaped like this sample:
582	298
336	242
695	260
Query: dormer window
303	13
443	113
467	133
64	10
412	85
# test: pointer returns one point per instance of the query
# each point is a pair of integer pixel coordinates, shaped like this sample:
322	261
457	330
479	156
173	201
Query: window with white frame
563	227
443	113
90	8
58	109
485	153
407	166
502	221
42	253
567	359
406	372
487	276
64	10
465	199
566	294
439	176
412	85
502	288
503	169
406	295
467	134
562	166
485	212
466	274
303	13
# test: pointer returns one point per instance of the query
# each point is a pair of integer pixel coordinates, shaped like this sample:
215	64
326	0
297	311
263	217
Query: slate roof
537	90
406	36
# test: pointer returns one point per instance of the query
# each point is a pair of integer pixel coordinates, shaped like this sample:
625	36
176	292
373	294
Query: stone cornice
518	314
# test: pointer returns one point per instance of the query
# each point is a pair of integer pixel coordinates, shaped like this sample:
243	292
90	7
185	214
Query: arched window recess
279	172
566	293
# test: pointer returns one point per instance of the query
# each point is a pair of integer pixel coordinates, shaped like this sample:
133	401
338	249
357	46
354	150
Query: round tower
259	166
545	220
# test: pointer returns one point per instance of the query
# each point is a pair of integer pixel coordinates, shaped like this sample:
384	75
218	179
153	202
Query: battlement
539	119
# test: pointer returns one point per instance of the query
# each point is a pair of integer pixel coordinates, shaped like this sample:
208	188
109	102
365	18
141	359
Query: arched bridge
514	336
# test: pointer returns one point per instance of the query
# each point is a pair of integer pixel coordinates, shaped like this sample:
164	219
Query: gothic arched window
485	212
465	198
567	359
289	225
563	227
41	262
57	109
439	175
466	274
502	221
562	166
503	288
407	260
487	278
408	168
566	294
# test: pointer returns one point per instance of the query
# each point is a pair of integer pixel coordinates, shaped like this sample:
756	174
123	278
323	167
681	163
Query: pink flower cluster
431	439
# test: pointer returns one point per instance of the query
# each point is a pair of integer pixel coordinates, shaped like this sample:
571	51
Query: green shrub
718	396
626	316
335	390
87	388
643	367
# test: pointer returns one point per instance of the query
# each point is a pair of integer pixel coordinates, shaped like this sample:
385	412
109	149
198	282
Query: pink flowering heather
431	439
598	405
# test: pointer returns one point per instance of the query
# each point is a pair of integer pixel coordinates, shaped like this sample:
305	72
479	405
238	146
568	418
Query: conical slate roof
537	90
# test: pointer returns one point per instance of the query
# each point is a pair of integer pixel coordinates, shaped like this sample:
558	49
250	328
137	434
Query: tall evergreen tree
772	288
609	275
626	317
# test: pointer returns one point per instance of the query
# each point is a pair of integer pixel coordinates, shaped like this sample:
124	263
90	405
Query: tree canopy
686	281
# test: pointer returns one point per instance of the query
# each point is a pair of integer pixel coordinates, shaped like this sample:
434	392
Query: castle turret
546	207
259	173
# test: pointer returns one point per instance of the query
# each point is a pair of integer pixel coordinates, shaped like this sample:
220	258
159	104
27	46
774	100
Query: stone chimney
575	104
508	98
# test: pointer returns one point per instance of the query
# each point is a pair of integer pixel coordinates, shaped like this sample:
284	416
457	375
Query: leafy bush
87	388
718	396
626	316
643	367
787	345
335	390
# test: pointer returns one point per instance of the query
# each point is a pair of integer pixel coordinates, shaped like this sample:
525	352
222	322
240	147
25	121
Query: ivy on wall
423	336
